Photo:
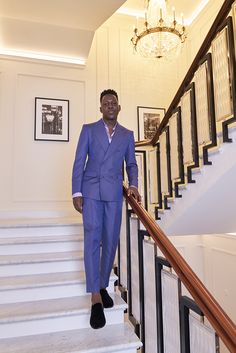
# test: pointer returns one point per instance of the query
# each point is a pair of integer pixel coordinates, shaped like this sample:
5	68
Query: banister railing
219	320
188	77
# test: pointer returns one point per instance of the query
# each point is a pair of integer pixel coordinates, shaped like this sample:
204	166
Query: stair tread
41	222
43	257
39	280
119	336
39	240
15	312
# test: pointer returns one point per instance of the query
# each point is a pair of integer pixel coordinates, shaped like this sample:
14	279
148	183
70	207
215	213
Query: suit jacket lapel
102	135
116	140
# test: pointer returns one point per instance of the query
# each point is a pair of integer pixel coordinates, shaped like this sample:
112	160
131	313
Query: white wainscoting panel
174	155
141	173
152	160
150	297
134	268
223	278
123	249
202	337
102	58
186	122
164	178
220	66
201	92
170	310
45	165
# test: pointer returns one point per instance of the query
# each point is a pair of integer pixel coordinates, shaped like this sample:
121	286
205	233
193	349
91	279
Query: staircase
200	210
44	307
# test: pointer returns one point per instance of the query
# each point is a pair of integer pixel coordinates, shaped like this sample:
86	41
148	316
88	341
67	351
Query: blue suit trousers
102	221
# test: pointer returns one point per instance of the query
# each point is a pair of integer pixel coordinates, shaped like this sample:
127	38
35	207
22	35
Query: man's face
109	107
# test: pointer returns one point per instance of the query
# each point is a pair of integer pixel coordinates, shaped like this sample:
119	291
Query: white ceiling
190	8
83	14
64	27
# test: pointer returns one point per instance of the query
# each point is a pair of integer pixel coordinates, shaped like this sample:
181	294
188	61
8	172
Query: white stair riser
49	292
56	324
41	231
14	249
42	267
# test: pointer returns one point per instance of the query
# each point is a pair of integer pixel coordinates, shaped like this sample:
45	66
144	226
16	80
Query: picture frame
51	119
234	21
149	119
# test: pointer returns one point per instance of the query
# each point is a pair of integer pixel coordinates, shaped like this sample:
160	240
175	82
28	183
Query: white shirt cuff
77	194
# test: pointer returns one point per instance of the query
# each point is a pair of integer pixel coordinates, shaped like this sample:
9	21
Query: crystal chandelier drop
162	35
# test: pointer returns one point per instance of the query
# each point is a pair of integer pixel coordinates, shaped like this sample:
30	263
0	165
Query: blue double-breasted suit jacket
97	174
97	171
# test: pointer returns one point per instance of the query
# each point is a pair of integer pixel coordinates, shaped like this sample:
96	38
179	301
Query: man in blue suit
97	193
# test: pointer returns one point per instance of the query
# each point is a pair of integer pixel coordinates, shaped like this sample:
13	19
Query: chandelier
162	35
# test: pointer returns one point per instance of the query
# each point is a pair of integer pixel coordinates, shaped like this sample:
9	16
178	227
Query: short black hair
108	91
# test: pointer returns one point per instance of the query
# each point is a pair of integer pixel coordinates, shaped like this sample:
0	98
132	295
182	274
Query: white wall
212	257
36	175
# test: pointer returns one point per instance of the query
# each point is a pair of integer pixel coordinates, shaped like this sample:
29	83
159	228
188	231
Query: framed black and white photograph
149	120
51	119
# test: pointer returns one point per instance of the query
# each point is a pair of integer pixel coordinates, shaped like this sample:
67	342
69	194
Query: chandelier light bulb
173	9
160	13
145	15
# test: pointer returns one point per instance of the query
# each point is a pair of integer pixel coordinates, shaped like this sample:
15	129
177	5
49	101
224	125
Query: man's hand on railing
132	190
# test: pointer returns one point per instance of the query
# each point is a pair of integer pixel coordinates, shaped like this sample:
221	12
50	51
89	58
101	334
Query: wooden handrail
188	77
219	320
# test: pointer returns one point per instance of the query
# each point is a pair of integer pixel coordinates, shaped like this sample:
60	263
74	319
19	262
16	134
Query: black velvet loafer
97	318
106	299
